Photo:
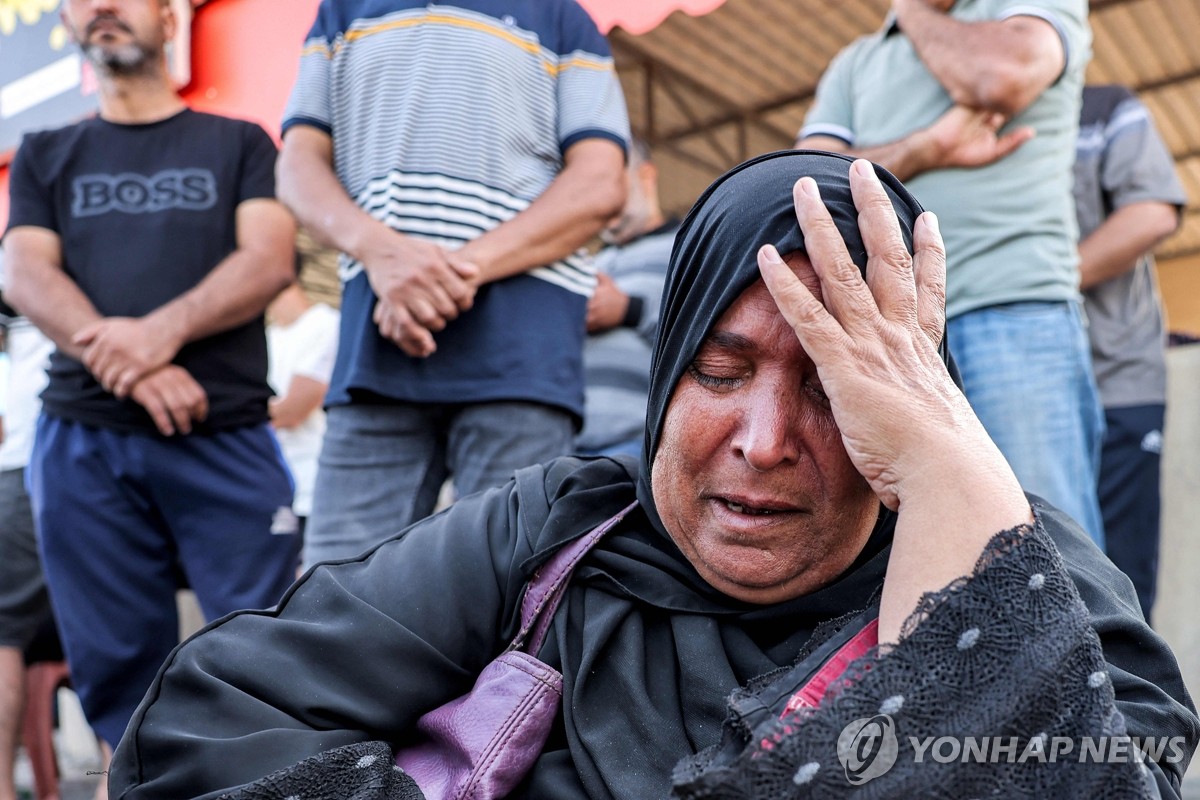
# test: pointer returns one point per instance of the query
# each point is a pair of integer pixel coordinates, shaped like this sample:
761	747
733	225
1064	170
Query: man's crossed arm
992	70
130	356
420	286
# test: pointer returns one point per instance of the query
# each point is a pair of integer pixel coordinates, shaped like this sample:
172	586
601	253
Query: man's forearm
573	209
309	187
239	288
961	137
1125	236
1000	65
48	298
905	158
237	291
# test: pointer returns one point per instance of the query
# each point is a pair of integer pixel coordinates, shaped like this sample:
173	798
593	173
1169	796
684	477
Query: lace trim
362	771
1007	652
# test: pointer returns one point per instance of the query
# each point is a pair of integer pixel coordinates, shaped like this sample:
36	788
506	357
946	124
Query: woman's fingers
903	289
846	295
889	265
818	332
929	266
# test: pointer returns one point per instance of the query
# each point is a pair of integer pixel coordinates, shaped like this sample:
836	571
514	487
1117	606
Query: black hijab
715	259
672	646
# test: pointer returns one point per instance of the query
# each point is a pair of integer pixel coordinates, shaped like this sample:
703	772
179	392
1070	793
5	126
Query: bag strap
549	583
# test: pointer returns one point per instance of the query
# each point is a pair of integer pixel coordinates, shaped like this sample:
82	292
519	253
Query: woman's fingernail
865	168
771	254
809	187
932	221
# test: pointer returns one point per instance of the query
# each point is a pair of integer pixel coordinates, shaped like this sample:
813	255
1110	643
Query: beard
124	60
132	58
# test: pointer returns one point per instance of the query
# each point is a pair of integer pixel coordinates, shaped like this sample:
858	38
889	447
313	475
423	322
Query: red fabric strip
810	696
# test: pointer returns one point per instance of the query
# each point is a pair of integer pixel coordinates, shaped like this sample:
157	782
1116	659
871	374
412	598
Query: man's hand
961	137
968	137
120	351
304	395
173	398
420	288
607	306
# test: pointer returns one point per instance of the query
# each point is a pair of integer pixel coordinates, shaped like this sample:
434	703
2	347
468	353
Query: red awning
639	16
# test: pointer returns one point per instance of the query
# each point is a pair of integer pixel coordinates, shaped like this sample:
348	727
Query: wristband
633	312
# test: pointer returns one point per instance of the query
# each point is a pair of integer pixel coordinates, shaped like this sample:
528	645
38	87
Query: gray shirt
616	362
1009	227
1122	160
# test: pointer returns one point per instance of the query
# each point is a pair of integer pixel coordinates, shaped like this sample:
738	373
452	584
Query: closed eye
711	381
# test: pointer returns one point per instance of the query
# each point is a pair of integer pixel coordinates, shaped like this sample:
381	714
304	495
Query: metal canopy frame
694	112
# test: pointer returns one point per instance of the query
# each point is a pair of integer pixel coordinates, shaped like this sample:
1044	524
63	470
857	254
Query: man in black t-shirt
146	243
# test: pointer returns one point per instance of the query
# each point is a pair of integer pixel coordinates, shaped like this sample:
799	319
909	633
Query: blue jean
1027	372
122	518
382	466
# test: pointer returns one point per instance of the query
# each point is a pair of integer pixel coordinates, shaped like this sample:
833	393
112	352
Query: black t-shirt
144	213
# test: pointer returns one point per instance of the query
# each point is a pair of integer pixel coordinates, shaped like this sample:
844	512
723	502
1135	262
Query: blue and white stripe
447	122
451	211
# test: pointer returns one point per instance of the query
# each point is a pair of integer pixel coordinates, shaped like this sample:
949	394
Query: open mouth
751	510
755	507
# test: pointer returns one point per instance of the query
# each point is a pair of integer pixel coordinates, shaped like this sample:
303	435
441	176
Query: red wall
244	55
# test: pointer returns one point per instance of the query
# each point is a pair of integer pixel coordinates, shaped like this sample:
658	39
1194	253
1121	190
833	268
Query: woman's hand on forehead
906	426
874	341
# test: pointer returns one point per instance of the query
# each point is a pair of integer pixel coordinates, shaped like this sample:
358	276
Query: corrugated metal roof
710	91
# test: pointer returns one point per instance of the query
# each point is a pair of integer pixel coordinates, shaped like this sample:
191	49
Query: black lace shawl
363	771
998	689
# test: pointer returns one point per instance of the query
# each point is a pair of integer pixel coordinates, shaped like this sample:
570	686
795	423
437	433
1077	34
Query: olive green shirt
1009	227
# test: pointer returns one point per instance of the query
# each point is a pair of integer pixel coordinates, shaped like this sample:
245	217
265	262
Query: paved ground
82	789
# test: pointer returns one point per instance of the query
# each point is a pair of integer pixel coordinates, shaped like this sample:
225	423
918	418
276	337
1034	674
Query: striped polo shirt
447	120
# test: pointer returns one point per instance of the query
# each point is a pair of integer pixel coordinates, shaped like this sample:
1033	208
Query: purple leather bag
480	746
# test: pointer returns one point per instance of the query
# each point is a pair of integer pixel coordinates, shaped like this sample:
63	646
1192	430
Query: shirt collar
891	25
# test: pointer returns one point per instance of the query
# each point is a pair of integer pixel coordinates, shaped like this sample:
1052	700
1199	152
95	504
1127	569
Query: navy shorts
125	518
